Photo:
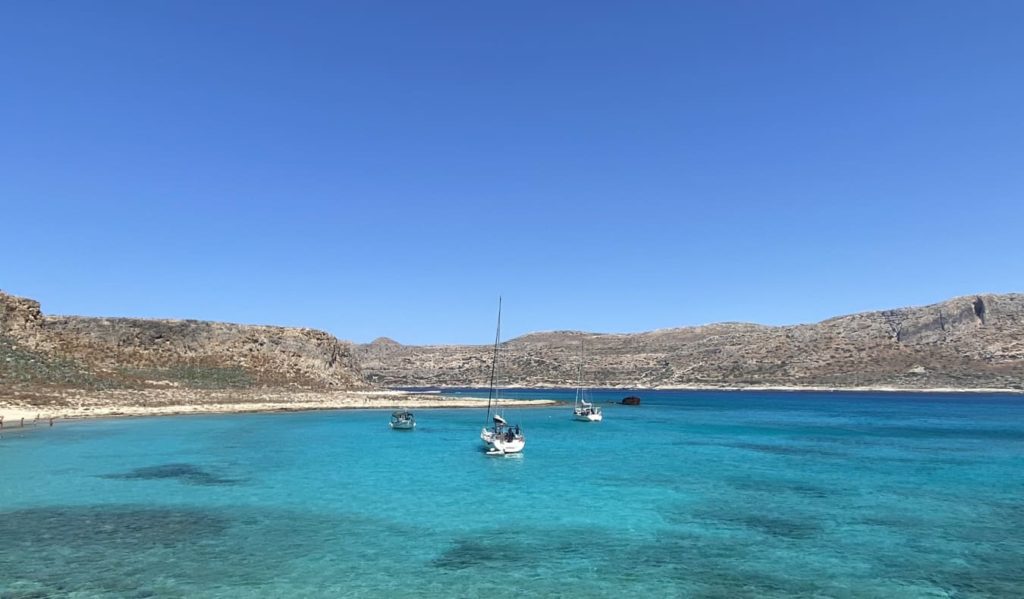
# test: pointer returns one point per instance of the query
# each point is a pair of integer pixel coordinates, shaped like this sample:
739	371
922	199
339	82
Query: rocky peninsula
73	366
81	366
966	343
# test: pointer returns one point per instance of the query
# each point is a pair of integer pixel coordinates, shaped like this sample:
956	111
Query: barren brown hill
966	342
42	354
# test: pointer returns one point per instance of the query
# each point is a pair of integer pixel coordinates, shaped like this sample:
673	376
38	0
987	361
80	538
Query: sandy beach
167	402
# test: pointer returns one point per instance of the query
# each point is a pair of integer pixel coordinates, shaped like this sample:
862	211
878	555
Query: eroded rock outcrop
18	315
71	351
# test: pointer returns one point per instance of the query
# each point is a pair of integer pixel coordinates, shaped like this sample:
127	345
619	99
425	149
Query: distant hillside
40	354
966	342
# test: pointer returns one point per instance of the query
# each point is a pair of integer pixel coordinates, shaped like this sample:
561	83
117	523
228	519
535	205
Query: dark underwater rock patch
789	450
972	570
493	548
950	432
185	473
792	449
488	550
790	528
117	525
468	554
136	550
784	527
800	488
105	550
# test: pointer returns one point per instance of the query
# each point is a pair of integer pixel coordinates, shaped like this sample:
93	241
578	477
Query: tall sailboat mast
579	384
500	438
583	410
492	393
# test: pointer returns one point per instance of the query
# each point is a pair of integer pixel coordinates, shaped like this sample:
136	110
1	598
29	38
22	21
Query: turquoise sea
740	494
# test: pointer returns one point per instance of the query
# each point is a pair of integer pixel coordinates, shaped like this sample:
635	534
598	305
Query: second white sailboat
583	410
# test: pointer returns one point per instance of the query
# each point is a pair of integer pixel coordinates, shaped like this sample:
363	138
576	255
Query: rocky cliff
966	342
40	353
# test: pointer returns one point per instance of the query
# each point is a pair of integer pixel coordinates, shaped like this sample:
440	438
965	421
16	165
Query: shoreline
780	388
140	404
877	389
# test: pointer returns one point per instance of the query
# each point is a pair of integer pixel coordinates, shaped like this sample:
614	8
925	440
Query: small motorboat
402	420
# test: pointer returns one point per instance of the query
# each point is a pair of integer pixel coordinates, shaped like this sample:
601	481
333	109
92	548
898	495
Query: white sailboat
501	438
583	410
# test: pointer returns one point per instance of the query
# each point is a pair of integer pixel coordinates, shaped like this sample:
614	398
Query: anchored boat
583	410
402	420
500	438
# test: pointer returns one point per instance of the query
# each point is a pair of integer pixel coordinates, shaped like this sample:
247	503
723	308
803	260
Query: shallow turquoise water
690	494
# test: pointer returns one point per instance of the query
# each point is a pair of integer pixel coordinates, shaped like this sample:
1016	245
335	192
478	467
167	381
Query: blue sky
390	168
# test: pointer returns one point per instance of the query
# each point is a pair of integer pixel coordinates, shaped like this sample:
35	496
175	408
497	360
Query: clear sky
390	168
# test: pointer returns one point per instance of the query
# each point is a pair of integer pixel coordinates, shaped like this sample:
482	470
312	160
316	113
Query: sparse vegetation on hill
967	342
48	355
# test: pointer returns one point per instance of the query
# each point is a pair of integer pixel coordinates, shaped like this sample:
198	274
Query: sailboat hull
591	417
500	443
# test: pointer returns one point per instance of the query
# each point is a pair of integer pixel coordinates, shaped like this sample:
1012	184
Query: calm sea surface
688	495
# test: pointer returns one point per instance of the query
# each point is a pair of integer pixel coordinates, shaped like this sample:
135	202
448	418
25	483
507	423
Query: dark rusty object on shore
632	400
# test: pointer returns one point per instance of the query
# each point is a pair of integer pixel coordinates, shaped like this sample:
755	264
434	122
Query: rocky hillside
40	353
967	342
